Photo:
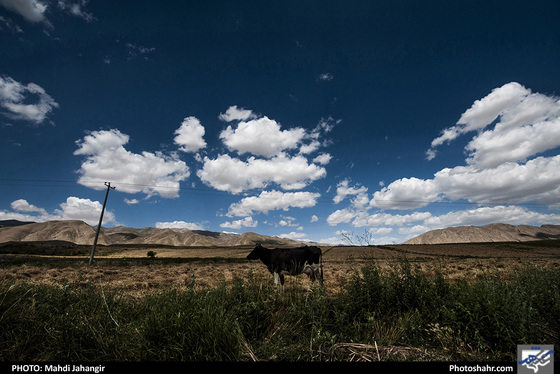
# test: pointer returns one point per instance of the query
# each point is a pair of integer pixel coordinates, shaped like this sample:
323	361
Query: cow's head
256	252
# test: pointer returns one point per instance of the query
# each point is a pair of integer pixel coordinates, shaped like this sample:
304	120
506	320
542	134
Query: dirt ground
213	266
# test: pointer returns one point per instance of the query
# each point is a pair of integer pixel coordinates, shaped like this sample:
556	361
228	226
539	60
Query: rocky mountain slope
78	232
498	232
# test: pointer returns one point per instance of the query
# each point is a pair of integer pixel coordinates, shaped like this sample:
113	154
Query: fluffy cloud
108	160
529	123
293	235
501	165
240	223
15	95
273	156
273	200
341	216
74	208
385	219
343	190
482	113
406	193
234	175
505	164
31	10
537	180
23	206
190	135
323	159
34	11
179	225
493	148
261	137
417	223
515	215
236	114
85	210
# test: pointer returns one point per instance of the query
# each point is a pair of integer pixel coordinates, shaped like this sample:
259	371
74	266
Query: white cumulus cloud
31	10
261	137
86	210
234	175
190	136
483	112
23	206
293	235
74	208
510	161
323	159
108	160
514	215
503	165
406	193
262	154
343	190
34	11
179	225
240	223
273	200
526	124
15	98
233	113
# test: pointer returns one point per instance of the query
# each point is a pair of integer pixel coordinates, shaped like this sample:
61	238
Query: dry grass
339	264
131	273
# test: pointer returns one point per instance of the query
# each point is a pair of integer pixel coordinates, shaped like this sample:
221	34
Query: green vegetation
447	319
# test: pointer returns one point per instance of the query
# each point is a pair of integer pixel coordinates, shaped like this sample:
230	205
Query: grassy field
411	303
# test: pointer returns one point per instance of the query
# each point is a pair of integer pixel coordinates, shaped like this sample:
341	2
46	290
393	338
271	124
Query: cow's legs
278	276
317	273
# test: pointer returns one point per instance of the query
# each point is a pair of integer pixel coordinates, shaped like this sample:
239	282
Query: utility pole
108	184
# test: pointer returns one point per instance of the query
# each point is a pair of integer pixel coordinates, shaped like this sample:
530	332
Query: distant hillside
78	232
498	232
13	222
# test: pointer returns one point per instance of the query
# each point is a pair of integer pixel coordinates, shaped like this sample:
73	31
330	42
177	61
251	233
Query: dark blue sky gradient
401	72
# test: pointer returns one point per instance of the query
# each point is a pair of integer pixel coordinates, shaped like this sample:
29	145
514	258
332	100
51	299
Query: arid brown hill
79	232
497	232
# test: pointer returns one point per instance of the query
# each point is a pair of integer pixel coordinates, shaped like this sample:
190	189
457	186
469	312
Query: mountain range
497	232
79	232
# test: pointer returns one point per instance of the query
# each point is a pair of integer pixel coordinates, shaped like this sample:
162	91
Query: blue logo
535	359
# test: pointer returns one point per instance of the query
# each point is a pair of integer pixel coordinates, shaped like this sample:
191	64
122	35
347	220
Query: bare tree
365	239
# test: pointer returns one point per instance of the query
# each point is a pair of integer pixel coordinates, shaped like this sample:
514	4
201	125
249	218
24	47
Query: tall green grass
482	319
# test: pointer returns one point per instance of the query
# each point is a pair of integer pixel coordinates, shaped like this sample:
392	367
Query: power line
209	191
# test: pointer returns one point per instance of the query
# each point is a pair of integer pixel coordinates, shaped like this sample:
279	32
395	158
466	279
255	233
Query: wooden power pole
108	184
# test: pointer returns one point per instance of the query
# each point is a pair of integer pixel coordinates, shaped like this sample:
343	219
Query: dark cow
290	261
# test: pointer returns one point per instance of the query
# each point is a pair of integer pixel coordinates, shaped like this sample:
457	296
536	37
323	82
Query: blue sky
303	119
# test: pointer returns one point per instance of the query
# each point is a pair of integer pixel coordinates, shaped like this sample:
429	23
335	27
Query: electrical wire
209	191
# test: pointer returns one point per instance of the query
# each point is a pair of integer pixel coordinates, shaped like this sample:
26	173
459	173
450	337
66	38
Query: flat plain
129	269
